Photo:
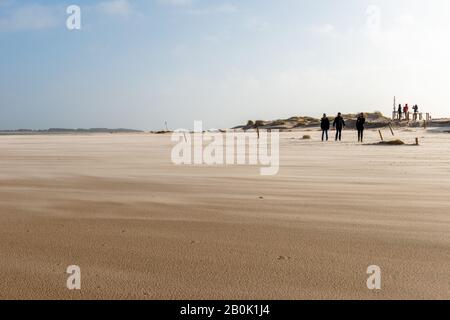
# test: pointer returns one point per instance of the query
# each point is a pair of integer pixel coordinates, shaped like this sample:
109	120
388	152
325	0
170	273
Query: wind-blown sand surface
141	228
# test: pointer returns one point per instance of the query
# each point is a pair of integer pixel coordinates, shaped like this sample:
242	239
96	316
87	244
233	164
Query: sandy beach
140	227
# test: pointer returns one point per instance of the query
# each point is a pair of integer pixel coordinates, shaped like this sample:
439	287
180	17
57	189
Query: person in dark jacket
339	124
360	121
325	126
400	110
416	112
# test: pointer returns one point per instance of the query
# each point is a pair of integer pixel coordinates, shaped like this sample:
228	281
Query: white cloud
257	24
325	30
115	7
214	9
37	17
223	8
226	8
176	3
30	17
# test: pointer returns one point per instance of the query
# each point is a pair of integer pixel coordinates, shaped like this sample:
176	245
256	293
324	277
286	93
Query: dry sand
142	228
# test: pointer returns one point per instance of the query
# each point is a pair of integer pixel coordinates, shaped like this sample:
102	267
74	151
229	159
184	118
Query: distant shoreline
375	120
59	131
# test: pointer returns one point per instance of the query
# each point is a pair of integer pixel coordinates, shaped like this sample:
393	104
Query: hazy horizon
137	64
188	126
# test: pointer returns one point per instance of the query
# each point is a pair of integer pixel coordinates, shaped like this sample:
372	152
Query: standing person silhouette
325	126
400	110
406	111
360	121
416	111
339	124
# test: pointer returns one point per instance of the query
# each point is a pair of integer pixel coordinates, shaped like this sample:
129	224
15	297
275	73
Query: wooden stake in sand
417	141
392	130
381	135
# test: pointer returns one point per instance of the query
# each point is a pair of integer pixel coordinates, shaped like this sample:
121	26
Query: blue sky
139	63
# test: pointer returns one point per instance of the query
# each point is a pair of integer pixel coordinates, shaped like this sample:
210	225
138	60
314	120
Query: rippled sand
141	228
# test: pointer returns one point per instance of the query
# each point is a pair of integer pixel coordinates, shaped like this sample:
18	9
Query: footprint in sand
284	258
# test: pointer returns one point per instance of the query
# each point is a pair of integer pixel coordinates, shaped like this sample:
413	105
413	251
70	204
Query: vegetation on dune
374	119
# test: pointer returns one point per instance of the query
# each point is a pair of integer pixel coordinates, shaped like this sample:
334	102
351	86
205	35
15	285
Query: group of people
339	124
403	111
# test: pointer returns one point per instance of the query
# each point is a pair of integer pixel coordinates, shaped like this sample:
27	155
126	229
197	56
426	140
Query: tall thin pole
394	113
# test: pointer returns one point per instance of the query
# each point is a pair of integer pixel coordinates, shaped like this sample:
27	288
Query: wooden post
417	141
381	135
392	130
257	131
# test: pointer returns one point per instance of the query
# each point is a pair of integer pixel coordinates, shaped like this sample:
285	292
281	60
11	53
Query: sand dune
141	228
